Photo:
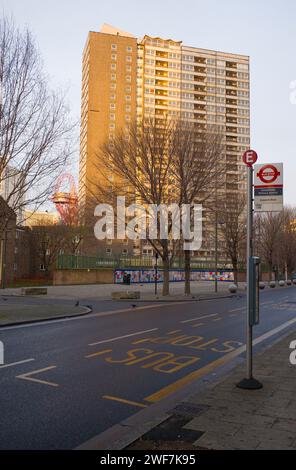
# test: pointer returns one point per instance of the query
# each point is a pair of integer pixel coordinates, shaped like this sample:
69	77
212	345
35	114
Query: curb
131	429
41	320
189	299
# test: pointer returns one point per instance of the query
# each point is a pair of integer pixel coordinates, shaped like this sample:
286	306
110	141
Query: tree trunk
166	267
187	268
270	271
235	273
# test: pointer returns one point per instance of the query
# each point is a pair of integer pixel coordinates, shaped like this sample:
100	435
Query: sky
265	30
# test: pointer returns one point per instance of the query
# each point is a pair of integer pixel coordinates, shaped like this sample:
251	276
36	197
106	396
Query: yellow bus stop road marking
127	402
99	353
169	389
28	376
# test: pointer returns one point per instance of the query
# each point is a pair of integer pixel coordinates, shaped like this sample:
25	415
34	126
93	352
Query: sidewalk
13	314
103	291
226	417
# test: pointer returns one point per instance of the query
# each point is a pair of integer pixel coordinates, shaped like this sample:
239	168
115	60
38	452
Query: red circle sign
268	174
250	157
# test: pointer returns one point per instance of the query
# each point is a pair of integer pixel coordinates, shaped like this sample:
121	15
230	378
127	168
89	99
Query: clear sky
263	29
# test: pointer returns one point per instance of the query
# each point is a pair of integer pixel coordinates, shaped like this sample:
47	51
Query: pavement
104	291
104	379
225	417
12	313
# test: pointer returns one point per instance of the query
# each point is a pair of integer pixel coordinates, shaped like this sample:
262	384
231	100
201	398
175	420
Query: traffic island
17	313
150	297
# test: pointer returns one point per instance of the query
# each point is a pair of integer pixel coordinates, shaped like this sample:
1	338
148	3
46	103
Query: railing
94	262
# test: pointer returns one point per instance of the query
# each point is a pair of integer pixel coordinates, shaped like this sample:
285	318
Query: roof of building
109	29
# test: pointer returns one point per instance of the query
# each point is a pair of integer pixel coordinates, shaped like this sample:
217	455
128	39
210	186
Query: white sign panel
268	187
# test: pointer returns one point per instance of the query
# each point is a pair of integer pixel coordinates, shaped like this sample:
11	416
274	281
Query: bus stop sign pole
250	383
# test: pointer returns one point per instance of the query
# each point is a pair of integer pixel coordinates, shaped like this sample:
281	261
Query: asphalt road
65	381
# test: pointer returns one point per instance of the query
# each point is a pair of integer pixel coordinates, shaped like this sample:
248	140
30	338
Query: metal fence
96	262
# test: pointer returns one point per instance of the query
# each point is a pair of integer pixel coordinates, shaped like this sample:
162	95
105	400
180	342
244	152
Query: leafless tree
49	240
232	226
138	165
268	228
287	242
74	236
171	163
198	171
36	135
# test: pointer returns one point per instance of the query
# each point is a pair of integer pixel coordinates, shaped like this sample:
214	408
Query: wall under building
63	277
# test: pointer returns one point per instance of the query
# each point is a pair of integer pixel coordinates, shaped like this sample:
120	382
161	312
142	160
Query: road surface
66	381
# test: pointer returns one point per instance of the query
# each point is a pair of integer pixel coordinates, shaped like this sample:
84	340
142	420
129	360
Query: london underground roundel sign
250	157
268	174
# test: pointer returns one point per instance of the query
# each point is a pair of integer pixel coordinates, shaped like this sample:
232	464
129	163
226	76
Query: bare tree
74	236
287	239
198	170
138	165
49	240
35	129
268	227
232	224
171	163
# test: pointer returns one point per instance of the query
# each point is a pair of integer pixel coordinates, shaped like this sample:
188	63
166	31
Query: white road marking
122	337
97	314
28	376
274	331
237	309
11	364
199	318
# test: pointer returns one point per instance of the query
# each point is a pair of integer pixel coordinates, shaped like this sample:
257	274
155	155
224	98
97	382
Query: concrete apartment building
126	78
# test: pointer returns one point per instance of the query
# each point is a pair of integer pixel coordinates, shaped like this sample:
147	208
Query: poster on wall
145	276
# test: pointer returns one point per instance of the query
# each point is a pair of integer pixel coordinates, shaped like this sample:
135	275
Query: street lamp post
217	223
216	251
155	273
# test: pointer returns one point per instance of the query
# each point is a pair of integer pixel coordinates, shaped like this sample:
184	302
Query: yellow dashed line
99	353
126	402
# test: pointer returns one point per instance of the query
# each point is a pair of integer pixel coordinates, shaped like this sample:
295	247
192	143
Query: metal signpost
250	383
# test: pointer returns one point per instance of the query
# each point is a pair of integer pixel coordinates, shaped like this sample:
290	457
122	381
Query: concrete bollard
289	282
272	284
125	295
233	288
261	285
34	291
294	281
282	283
